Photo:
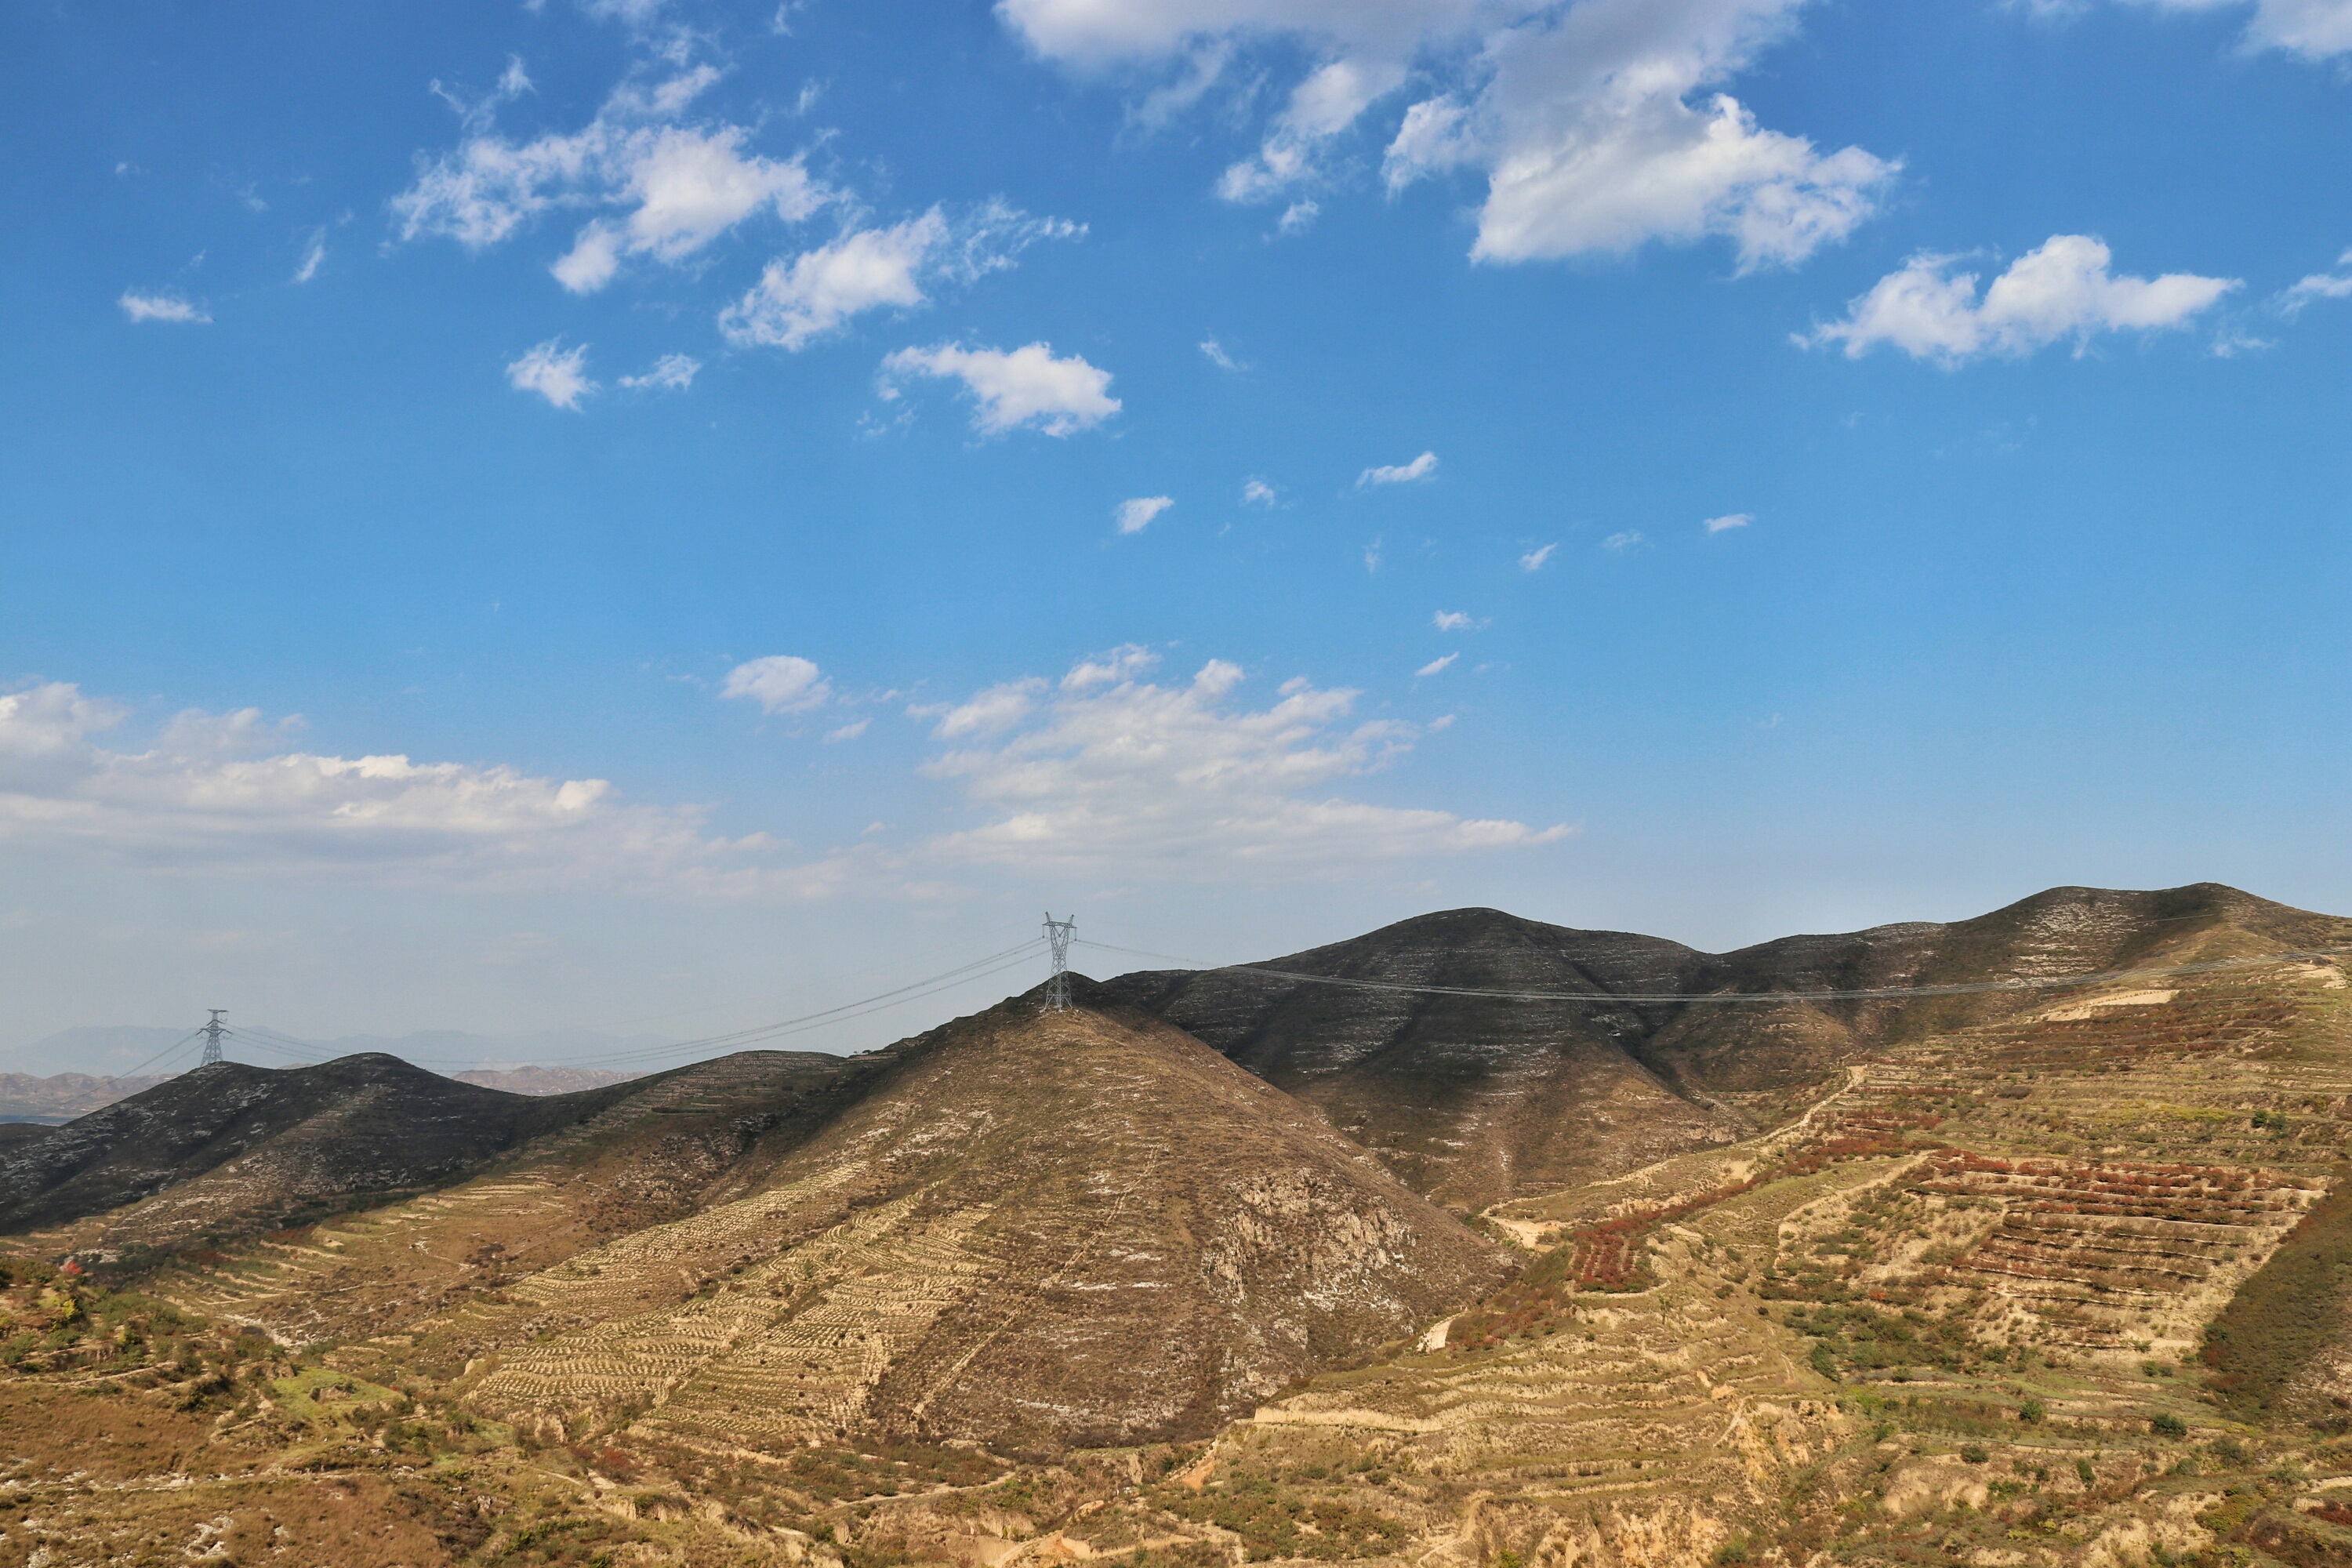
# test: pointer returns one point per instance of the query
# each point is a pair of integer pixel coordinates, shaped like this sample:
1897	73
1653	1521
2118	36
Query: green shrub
2168	1426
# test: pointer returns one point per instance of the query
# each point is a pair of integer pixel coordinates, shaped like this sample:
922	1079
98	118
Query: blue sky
664	514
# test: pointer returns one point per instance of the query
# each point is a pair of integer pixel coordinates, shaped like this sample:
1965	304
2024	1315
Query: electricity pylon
212	1033
1057	937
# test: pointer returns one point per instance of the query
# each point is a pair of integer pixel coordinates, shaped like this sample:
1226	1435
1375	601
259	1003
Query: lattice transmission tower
212	1033
1057	937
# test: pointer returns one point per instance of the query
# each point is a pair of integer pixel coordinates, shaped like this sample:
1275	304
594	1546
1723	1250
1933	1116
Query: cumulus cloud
1421	467
802	297
671	373
1020	387
779	683
555	373
1456	621
1729	520
1533	560
658	188
2316	286
1125	776
161	307
2061	289
213	794
1435	666
1598	125
1298	218
1134	516
1257	492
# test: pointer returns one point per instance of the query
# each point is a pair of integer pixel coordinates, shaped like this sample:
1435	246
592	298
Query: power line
1882	994
168	1050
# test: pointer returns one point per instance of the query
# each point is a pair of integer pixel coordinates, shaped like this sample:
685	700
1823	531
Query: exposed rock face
1473	1099
1035	1229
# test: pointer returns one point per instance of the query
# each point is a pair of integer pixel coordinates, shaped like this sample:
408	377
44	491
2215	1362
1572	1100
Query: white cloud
1435	666
1134	516
1729	520
199	799
1257	492
660	189
1372	555
1300	216
1121	663
1533	560
161	308
558	374
779	683
2316	30
817	290
809	295
314	254
2061	289
1600	125
1217	355
1023	386
991	711
849	732
1618	543
2316	286
1456	621
671	373
1421	467
1326	103
1137	778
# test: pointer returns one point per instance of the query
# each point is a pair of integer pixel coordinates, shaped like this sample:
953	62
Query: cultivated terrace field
2070	1285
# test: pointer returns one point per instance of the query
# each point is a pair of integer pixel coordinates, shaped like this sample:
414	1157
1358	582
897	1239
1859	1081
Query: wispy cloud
849	732
802	297
1015	388
216	793
556	374
2316	286
1134	516
1129	776
1618	543
671	373
1435	666
161	307
1729	520
314	256
1533	560
1216	354
1456	621
1257	492
1298	218
1421	467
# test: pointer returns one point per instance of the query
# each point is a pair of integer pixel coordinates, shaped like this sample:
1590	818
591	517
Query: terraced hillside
2064	1283
1476	1099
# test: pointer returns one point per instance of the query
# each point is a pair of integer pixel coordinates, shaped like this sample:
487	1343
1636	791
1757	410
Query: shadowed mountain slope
1475	1099
1034	1229
228	1148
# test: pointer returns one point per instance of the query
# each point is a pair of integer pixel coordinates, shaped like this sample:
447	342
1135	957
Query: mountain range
1469	1241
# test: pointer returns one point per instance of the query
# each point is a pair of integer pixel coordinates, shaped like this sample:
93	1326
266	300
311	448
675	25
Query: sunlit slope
1036	1229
